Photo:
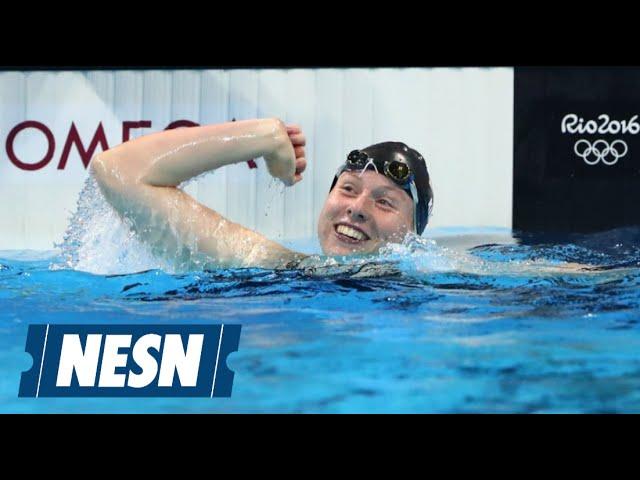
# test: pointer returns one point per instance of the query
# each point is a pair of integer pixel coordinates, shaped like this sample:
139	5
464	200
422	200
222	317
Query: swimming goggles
400	173
397	171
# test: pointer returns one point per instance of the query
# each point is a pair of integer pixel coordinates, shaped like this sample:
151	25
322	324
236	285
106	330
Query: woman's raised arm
139	179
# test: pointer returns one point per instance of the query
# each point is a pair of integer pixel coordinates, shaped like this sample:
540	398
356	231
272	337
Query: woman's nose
357	210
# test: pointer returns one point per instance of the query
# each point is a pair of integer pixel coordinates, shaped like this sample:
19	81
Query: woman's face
362	213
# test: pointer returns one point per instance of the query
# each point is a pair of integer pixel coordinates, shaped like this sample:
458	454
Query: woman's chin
336	248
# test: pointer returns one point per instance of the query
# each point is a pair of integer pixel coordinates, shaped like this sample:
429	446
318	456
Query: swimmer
378	195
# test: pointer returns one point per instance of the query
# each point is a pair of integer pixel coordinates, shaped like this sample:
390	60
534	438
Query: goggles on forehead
398	172
395	170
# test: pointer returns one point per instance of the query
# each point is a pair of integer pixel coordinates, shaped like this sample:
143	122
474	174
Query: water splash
420	254
98	240
275	189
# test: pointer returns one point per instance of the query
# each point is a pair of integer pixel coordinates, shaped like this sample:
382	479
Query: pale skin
141	178
369	203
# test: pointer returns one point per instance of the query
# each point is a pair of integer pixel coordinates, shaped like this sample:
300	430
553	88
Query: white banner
52	123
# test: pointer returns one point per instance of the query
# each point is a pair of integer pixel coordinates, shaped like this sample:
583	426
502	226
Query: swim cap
379	155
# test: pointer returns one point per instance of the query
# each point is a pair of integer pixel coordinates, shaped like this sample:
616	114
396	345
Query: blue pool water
467	321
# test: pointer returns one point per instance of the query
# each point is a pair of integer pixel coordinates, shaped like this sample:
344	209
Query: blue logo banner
129	360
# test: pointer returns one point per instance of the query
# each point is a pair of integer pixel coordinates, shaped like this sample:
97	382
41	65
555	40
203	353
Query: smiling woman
379	195
362	212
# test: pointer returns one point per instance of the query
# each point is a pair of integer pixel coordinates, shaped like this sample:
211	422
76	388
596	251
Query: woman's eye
347	188
385	203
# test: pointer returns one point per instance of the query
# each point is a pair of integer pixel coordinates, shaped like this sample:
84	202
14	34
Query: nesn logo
129	360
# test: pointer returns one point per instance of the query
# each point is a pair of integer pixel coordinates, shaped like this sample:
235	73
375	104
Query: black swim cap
398	151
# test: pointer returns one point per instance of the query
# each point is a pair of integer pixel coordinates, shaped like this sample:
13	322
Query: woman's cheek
395	229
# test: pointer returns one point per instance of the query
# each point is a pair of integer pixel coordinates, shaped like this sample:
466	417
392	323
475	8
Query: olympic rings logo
592	154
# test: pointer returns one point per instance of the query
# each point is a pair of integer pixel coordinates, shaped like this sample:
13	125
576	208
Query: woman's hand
288	160
298	140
